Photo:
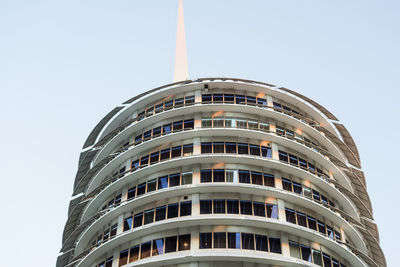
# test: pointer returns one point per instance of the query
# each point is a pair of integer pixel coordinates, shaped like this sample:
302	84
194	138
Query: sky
65	64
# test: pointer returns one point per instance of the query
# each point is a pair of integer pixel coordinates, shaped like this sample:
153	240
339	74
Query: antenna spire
181	61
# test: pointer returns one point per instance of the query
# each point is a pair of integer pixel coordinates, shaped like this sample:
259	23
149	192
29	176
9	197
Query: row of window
235	240
241	176
302	219
235	206
312	255
236	148
154	247
158	214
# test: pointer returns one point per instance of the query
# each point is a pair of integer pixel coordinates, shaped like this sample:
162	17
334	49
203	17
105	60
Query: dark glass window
154	157
317	257
138	139
297	188
269	180
293	159
151	185
244	176
275	245
144	160
205	176
162	182
176	151
123	257
256	178
286	184
327	260
205	206
234	240
158	247
160	213
189	124
165	154
303	163
259	209
311	167
329	230
169	104
266	152
206	147
261	101
219	240
159	108
305	253
206	98
290	215
240	99
135	164
189	100
170	244
247	241
205	240
131	192
316	196
167	128
147	135
272	211
179	102
261	242
141	189
232	206
185	208
337	235
219	175
156	131
148	216
218	97
283	156
312	223
324	199
219	205
184	242
174	179
109	261
321	227
254	150
245	207
335	262
218	147
113	231
301	219
127	223
145	250
138	220
243	148
230	147
173	210
277	105
134	253
229	97
178	125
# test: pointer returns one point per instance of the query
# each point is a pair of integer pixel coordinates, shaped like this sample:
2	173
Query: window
230	147
218	147
329	230
327	260
162	182
272	211
219	175
316	196
256	178
243	148
261	242
303	163
297	188
218	98
188	149
261	101
165	154
113	231
234	240
312	223
109	261
144	160
205	176
167	128
173	210
245	207
324	199
127	223
275	245
335	262
205	206
293	159
294	249
178	125
247	241
337	235
253	124
290	215
321	227
189	124
301	219
205	240
179	102
123	257
206	98
240	99
229	174
160	213
141	189
184	242
232	206
170	244
189	100
220	240
269	180
254	150
145	250
305	253
264	126
266	152
229	123
147	135
307	192
218	122
158	247
148	216
206	123
135	164
151	185
176	151
259	209
244	176
169	104
138	220
131	192
251	100
317	257
186	208
186	178
219	205
283	156
138	139
206	147
134	253
229	98
159	108
174	179
286	184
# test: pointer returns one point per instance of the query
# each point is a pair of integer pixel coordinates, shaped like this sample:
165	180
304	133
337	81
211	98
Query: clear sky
65	64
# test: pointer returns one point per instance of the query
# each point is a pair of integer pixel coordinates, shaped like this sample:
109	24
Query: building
219	171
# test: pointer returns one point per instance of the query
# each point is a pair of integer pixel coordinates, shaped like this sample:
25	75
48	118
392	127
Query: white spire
181	62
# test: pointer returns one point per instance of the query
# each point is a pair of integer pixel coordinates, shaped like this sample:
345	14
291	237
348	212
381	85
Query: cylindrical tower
219	171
